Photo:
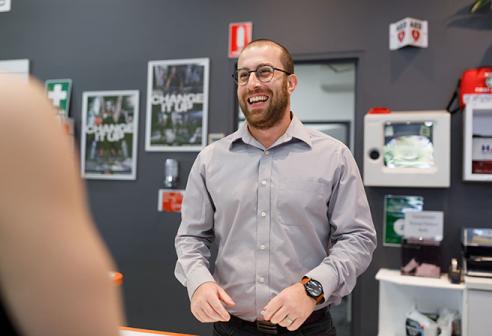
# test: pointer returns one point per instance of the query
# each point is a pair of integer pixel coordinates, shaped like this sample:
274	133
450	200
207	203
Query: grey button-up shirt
297	208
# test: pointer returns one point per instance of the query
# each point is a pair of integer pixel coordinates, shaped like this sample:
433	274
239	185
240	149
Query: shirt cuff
197	278
328	278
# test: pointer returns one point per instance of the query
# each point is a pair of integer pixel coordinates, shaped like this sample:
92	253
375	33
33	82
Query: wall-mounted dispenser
171	171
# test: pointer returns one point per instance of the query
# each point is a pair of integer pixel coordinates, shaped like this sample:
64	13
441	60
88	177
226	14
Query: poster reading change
177	105
109	135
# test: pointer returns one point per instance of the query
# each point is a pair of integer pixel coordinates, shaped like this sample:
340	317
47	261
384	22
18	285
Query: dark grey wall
105	45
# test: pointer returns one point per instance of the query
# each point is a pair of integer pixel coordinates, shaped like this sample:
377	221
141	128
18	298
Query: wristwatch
313	289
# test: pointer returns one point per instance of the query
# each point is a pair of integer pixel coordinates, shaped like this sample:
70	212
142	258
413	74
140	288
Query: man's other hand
290	308
207	303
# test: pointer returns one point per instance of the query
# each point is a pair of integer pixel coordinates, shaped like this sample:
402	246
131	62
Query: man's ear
291	83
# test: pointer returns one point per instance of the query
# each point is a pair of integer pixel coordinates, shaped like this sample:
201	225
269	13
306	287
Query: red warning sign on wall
170	200
240	34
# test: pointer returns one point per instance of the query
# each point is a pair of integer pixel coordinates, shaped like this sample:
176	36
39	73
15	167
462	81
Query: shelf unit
398	294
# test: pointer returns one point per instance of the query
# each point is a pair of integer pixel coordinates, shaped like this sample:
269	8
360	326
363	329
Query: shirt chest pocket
302	201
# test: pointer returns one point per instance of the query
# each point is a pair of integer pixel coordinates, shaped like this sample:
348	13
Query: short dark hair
285	57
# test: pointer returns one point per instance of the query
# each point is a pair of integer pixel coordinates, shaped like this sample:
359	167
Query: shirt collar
295	130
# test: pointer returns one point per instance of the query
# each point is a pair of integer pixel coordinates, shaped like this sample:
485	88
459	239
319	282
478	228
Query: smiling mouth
257	99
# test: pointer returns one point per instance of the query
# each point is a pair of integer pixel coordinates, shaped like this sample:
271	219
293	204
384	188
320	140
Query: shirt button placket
263	229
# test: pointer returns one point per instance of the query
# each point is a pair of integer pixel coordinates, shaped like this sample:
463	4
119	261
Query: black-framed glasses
264	73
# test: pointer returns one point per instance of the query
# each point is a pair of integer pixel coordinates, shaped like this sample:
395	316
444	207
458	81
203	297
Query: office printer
477	252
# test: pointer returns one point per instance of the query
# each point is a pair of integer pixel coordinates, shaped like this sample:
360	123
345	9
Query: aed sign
409	32
240	34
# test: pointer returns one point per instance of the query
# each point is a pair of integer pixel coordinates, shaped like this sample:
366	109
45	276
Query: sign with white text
177	105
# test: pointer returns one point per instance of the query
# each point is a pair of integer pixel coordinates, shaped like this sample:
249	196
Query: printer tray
480	266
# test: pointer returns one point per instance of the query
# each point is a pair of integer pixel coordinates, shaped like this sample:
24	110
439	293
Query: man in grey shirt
285	205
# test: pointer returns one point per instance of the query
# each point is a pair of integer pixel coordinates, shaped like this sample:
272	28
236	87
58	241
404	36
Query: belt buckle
266	327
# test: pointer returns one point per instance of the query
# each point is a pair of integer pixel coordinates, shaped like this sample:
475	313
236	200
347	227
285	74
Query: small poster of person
109	135
177	105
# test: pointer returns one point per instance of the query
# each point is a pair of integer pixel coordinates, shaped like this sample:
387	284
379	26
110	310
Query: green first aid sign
395	207
58	91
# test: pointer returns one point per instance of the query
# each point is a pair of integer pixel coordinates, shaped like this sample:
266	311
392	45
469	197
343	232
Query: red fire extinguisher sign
240	34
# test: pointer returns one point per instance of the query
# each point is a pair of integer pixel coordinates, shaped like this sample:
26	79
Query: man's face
263	104
108	106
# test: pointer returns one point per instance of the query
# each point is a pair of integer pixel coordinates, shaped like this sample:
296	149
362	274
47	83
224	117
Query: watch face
314	288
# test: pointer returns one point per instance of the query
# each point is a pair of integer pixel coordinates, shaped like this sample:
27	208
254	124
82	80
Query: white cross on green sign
58	91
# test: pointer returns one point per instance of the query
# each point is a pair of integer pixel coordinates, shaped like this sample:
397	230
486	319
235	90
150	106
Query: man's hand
206	303
290	308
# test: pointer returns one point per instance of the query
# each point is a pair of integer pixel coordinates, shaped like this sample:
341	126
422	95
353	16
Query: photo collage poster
109	134
177	105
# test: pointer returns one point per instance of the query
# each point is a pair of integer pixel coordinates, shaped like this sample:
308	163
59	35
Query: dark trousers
319	324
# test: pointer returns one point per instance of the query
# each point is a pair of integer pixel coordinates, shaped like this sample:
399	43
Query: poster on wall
395	207
109	135
177	105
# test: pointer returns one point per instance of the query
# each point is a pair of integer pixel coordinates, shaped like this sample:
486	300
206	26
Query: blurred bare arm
53	265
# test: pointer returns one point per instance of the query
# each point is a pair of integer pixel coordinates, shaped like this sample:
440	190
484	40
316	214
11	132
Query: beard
272	114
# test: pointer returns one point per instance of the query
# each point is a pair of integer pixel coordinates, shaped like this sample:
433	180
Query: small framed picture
109	135
177	105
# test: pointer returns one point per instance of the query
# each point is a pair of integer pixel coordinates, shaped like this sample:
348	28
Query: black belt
274	329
